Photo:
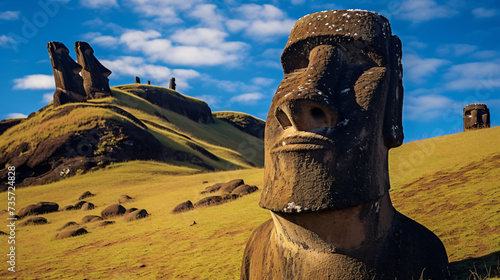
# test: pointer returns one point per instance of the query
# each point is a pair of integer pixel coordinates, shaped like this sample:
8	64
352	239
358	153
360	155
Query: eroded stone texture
333	119
476	116
172	83
69	83
95	75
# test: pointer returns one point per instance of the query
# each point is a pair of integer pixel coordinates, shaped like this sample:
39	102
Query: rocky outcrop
38	208
8	123
94	74
244	122
183	207
191	108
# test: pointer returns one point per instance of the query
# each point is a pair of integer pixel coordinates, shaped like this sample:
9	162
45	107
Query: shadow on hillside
477	268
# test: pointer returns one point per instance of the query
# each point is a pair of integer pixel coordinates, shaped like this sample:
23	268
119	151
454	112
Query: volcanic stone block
476	116
69	83
91	218
88	206
136	215
245	189
85	195
38	208
71	233
95	75
172	83
209	201
183	207
113	210
33	221
231	185
137	80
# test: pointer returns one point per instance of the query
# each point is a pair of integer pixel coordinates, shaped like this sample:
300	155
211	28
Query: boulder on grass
67	225
183	207
209	201
124	198
69	207
130	210
39	208
245	189
231	185
71	233
88	206
106	223
79	205
113	210
212	188
91	218
33	221
136	215
85	195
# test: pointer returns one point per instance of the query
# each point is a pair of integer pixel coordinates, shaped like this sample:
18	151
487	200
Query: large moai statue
69	83
476	116
172	83
332	121
95	75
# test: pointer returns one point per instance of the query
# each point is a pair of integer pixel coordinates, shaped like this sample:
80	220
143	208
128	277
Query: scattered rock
130	210
244	190
209	201
194	223
68	224
33	221
3	233
231	196
68	208
79	205
39	208
113	210
88	206
106	223
212	188
124	198
185	206
91	218
85	195
204	182
231	185
136	215
71	233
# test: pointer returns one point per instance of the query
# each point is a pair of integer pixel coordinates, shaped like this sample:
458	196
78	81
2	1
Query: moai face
66	70
476	116
335	114
95	75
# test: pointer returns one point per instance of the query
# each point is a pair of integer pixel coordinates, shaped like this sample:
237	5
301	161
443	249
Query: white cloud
99	4
424	10
36	81
260	81
10	15
260	21
248	98
456	49
416	68
211	100
16	116
427	107
485	54
48	97
106	41
6	41
474	75
165	11
483	13
208	15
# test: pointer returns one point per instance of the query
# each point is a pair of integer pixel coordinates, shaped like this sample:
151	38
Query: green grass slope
449	184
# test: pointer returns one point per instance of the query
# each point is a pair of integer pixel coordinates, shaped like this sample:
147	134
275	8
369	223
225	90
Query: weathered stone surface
71	233
88	206
476	116
68	208
33	221
38	208
245	189
68	224
113	210
85	195
91	218
94	74
231	185
213	188
136	215
172	83
79	205
183	207
130	210
106	223
8	123
209	201
244	122
333	119
125	198
69	83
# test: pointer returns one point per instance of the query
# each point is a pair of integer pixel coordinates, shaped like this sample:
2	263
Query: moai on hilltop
172	83
149	82
137	80
476	116
69	83
331	124
94	74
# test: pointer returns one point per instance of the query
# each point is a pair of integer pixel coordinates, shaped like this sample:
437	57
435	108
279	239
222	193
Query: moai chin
332	121
172	83
69	83
476	116
95	75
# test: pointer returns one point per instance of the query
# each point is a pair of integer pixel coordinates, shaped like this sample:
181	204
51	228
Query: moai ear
393	119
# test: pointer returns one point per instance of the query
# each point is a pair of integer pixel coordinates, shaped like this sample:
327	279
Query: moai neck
339	230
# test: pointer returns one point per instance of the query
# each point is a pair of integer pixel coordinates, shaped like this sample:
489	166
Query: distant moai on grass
172	83
331	124
94	74
137	80
69	83
476	116
149	82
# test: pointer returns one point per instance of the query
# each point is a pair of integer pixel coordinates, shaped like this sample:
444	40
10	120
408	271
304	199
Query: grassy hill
450	184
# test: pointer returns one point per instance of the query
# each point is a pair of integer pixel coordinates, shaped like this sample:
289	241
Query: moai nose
306	115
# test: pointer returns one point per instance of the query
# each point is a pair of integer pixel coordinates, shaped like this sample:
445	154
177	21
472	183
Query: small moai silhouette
476	116
149	82
137	80
172	83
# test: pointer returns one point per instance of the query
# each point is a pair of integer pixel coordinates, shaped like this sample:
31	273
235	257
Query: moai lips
69	83
476	116
332	121
95	75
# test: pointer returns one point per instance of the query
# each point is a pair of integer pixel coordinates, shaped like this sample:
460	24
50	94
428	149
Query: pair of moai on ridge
93	82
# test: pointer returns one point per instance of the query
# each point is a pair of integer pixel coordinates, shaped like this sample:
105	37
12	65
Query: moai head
95	75
137	80
172	83
335	115
476	116
66	73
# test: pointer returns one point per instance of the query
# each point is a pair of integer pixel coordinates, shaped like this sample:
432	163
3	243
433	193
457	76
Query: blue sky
227	52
